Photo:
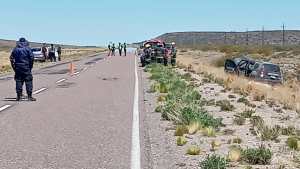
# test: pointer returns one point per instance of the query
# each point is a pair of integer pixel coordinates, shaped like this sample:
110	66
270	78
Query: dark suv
260	71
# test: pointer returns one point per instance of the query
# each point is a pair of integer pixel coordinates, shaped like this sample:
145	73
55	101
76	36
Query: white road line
135	144
84	68
61	80
76	73
39	91
4	107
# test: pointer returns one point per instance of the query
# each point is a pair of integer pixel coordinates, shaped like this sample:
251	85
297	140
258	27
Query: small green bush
187	76
214	162
257	156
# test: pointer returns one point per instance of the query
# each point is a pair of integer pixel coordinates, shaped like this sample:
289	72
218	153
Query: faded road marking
4	107
39	91
76	73
135	144
61	80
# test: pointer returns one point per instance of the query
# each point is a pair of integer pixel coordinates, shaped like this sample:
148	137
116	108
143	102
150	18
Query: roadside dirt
167	155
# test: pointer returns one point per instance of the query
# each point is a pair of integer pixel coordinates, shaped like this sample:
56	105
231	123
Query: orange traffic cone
71	68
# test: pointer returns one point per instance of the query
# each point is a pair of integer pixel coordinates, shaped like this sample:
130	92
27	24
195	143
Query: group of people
52	52
121	47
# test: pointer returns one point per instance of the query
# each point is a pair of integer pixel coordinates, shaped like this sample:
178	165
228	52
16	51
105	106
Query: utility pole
247	37
283	34
263	36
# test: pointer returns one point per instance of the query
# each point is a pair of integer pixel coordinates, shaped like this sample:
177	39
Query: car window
36	49
243	64
271	68
254	67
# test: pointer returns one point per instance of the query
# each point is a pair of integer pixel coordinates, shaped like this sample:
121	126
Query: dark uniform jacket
22	58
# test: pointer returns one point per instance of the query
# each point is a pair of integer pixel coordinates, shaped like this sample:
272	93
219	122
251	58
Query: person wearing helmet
22	60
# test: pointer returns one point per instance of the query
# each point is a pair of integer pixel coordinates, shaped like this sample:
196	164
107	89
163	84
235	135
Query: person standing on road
44	51
120	48
52	53
109	49
59	52
113	49
125	48
22	60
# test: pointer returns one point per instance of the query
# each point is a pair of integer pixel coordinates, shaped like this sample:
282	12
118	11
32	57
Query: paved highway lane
84	121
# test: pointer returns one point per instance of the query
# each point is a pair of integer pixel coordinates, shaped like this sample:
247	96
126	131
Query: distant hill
9	44
186	39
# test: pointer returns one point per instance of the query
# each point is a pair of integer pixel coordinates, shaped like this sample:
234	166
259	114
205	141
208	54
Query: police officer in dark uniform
22	62
113	49
120	48
125	48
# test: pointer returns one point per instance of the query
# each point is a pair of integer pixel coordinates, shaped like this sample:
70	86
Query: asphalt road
78	122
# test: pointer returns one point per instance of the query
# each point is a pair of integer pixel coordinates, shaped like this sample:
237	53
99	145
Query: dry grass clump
181	141
181	130
193	150
225	105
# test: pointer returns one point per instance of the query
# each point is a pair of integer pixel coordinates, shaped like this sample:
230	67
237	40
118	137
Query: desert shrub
239	120
181	130
158	109
193	150
187	76
209	132
293	143
257	156
257	96
257	121
161	98
214	162
215	144
181	141
194	127
269	133
247	113
225	105
163	88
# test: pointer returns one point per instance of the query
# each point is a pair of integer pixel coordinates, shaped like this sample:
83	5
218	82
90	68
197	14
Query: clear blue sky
96	22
